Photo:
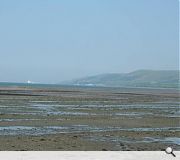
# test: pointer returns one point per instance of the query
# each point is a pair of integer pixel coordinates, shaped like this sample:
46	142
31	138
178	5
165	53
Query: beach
88	118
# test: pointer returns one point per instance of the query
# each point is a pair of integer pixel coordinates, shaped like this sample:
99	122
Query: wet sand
76	118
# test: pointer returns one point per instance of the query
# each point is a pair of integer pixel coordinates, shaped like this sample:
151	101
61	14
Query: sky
49	41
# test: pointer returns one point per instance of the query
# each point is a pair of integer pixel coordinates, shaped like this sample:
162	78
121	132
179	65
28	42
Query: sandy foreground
88	119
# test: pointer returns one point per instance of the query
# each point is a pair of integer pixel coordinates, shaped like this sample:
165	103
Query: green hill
140	78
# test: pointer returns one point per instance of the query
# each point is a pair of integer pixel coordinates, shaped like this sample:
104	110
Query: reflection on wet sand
90	115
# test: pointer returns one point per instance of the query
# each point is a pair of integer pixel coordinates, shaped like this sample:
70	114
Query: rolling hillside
139	78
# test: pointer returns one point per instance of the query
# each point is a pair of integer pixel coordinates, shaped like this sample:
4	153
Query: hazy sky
50	41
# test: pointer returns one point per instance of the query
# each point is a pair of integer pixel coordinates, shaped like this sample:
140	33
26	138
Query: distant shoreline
44	85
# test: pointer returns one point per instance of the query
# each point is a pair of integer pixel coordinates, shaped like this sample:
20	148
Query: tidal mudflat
82	118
